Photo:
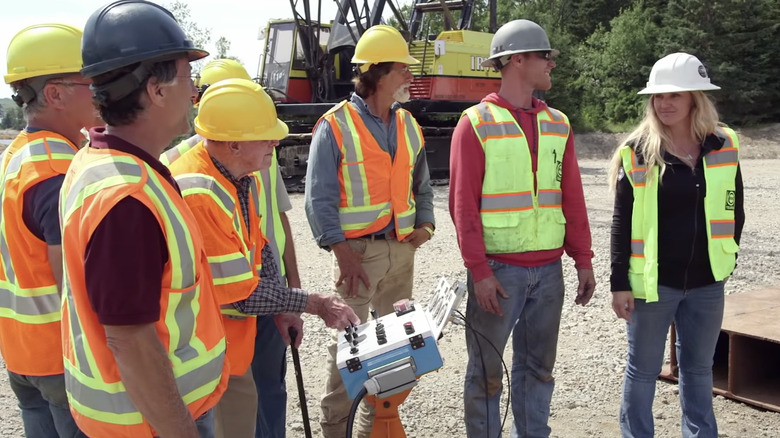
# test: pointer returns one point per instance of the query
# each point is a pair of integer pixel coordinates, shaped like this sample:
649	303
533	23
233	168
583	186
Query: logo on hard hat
702	71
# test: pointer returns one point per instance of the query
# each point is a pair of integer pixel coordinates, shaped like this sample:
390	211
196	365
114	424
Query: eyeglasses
403	70
70	84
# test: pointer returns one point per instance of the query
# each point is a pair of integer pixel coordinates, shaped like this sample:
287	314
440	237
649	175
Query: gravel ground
592	344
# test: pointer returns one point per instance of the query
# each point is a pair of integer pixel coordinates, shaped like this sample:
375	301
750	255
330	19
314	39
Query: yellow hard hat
381	43
42	50
238	110
219	70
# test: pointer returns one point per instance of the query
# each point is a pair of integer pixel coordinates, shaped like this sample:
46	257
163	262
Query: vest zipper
695	232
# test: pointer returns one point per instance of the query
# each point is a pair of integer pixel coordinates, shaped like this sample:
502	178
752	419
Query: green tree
613	65
200	36
737	41
223	47
13	119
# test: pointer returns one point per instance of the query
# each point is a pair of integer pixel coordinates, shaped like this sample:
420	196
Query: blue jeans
205	425
532	314
697	315
44	405
269	367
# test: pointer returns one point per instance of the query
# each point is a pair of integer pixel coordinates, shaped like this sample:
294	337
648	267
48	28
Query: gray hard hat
517	36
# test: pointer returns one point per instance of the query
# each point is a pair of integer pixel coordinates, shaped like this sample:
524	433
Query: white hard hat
678	72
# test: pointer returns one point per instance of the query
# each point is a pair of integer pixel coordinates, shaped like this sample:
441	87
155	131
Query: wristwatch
429	230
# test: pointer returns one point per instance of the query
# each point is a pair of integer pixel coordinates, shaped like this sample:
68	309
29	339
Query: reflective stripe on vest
374	187
225	268
509	204
720	174
173	154
197	368
267	204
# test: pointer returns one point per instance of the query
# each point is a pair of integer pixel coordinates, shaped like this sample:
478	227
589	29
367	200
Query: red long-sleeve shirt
467	169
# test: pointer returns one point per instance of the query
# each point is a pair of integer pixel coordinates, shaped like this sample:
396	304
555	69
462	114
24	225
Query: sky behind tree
237	20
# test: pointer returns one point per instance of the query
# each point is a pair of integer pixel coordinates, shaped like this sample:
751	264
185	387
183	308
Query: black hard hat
126	32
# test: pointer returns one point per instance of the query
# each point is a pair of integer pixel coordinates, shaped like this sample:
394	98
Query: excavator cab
283	71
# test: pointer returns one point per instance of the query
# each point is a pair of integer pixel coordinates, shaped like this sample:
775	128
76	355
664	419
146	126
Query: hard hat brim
365	65
192	54
277	132
489	62
669	88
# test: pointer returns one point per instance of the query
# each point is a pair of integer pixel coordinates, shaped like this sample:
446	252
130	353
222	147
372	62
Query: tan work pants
389	265
236	413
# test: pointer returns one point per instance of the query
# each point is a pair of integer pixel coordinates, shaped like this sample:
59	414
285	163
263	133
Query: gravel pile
591	350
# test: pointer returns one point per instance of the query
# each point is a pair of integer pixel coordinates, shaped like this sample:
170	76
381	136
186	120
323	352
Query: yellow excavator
306	68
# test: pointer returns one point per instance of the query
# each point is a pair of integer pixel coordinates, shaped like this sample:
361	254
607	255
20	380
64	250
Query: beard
401	94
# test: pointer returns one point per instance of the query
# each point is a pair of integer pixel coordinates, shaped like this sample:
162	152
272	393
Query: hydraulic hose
353	410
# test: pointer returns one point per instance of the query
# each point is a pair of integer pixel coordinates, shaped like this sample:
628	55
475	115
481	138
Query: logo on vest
731	199
558	166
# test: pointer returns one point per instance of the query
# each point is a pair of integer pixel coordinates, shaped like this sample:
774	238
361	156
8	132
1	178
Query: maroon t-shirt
126	254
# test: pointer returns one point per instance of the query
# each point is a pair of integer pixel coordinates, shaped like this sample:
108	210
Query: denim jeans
697	315
44	405
205	424
269	367
532	314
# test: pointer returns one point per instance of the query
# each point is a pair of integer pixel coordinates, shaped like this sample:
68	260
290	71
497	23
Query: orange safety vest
374	187
190	327
30	338
234	252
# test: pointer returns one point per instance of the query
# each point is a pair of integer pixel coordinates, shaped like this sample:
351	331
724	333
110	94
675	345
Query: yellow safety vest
515	217
720	171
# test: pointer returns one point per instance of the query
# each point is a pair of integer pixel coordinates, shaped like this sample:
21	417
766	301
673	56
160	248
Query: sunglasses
546	55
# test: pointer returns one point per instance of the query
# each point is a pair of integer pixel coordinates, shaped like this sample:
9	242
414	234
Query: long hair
651	138
367	82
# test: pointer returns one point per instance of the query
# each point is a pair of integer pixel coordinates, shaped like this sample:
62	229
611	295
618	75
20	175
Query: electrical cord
353	410
484	372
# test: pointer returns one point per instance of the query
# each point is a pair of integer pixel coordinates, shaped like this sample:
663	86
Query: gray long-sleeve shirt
322	184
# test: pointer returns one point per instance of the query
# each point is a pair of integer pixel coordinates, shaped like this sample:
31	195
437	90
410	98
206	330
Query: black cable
353	410
484	371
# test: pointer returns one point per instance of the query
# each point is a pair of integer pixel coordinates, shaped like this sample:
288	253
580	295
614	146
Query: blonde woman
675	233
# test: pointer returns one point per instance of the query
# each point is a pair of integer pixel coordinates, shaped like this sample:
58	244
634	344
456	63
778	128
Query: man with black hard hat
143	339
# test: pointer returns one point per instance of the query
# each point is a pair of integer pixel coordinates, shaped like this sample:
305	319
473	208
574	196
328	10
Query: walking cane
299	379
